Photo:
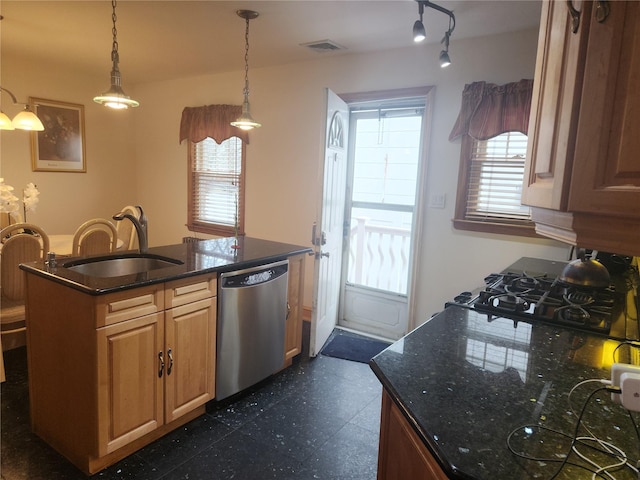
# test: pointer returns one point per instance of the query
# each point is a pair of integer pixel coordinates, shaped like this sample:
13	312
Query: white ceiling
165	39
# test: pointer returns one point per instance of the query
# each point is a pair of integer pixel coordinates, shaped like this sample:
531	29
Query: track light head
419	33
445	61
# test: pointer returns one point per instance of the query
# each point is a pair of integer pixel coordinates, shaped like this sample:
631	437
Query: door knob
322	254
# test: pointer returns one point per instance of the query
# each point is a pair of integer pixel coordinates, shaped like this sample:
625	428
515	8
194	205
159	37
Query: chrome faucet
140	225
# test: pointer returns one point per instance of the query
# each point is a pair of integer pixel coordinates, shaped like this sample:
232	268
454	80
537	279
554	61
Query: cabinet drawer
121	306
187	290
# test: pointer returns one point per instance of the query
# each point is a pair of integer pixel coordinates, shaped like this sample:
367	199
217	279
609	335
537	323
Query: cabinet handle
602	11
575	17
161	358
170	367
288	311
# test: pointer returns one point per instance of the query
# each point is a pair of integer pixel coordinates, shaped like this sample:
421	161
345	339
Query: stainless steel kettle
585	272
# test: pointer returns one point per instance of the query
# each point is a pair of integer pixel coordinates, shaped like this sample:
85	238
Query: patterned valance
213	121
488	110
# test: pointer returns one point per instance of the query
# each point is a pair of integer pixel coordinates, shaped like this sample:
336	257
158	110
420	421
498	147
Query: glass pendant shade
27	120
245	121
5	122
115	96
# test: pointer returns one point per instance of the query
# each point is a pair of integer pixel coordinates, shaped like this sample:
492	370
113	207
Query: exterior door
385	155
328	230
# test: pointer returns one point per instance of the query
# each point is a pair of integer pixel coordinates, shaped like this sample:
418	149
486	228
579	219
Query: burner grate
541	298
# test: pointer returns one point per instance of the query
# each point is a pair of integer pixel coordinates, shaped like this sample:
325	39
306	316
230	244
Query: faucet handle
143	217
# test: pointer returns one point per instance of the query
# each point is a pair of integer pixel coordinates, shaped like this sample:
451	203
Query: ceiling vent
322	46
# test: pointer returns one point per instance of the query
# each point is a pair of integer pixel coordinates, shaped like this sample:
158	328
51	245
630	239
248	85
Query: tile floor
318	419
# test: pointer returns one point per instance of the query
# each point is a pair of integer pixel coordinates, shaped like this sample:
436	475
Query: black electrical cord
565	461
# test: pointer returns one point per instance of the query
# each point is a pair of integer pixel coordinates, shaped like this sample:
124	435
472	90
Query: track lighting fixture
25	120
419	33
115	96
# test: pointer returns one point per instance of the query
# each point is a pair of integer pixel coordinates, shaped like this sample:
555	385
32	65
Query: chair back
21	243
94	237
126	231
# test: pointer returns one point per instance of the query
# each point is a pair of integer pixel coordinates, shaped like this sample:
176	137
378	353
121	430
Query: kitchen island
117	361
196	258
464	385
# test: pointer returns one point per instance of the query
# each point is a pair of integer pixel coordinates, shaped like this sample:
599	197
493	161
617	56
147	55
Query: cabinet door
129	387
554	106
402	454
190	339
293	324
606	173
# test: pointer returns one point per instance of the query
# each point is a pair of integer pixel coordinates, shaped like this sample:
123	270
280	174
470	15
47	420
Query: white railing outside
379	256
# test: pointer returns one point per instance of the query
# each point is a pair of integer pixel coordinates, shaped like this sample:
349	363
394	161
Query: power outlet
617	370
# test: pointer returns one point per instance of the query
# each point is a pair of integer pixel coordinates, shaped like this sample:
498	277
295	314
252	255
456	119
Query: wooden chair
21	243
94	237
126	231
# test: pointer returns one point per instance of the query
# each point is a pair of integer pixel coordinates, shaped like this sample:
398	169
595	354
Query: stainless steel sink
121	265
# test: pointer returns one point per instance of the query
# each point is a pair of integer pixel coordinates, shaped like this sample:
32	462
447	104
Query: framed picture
60	146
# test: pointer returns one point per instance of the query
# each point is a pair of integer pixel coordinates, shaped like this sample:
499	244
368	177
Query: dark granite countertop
199	257
465	383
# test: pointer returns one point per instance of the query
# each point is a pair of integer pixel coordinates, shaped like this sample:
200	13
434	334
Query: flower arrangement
10	204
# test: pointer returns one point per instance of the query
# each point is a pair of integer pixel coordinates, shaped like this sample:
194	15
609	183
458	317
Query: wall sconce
419	33
25	120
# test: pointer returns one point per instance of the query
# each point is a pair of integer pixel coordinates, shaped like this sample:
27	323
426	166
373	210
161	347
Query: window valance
212	121
488	110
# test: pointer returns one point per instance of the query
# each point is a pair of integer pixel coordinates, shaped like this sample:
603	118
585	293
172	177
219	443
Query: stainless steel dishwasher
251	326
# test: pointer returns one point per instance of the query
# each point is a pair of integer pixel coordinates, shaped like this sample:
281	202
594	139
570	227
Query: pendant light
115	96
245	121
25	120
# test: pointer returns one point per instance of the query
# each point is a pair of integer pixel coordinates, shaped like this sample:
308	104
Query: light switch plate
437	200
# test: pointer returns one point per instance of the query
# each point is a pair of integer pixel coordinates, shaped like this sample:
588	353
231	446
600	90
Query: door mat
356	349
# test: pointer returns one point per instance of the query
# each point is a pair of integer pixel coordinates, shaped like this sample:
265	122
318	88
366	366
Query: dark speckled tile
318	419
238	457
352	453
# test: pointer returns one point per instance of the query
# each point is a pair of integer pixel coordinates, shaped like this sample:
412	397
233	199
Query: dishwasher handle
254	276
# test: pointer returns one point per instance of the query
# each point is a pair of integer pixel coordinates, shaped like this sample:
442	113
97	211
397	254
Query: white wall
284	156
135	157
68	199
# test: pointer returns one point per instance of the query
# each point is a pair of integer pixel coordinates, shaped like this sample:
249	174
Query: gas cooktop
530	291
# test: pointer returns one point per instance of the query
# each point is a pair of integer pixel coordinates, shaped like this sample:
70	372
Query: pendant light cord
114	31
246	59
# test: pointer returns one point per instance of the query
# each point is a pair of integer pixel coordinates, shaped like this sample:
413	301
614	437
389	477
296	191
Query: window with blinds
216	187
495	179
491	184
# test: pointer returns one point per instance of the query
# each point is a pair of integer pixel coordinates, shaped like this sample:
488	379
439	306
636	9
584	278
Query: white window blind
495	180
217	185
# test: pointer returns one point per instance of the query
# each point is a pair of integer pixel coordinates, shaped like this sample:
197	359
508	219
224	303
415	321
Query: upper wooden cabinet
583	171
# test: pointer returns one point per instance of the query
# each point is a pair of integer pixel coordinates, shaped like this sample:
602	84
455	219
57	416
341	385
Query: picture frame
60	147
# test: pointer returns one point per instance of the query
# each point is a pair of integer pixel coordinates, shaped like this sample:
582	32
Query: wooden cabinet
402	454
108	374
293	326
583	172
190	345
